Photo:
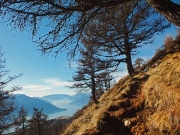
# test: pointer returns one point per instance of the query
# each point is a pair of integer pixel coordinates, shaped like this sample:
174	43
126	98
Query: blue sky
44	75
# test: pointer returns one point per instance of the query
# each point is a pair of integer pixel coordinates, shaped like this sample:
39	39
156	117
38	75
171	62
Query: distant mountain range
77	99
30	102
54	105
80	99
71	103
56	97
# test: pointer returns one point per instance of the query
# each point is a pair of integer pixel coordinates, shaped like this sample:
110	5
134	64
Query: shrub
168	42
138	63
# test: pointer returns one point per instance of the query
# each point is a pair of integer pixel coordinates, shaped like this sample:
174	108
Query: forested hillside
147	103
95	39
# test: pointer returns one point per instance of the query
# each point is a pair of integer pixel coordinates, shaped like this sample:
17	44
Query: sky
41	75
44	74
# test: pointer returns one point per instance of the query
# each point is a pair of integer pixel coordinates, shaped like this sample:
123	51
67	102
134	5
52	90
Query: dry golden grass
162	94
149	100
111	107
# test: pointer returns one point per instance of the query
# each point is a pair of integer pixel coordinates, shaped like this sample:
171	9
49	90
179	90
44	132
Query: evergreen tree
21	122
92	73
66	19
6	96
121	31
38	124
138	63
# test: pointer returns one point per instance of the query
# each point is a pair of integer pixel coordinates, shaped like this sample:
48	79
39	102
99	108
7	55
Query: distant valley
71	103
54	105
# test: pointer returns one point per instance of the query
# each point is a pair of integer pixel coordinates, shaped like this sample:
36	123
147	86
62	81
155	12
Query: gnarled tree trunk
168	9
94	91
129	64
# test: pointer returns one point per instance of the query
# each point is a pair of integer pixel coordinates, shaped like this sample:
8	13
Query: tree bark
39	127
168	9
94	91
128	50
23	126
129	64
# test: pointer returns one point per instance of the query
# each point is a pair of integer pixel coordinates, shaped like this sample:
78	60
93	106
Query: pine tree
66	19
92	73
121	31
138	63
6	96
38	124
21	122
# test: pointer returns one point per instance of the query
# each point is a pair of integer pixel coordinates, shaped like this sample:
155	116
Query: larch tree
121	31
138	63
7	105
21	122
91	71
38	123
62	22
104	82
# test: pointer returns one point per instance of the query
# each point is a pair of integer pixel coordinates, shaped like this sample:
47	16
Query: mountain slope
147	103
55	97
77	99
71	103
29	103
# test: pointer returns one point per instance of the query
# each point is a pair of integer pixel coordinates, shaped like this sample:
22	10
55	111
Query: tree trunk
39	127
23	127
129	64
168	9
128	50
94	91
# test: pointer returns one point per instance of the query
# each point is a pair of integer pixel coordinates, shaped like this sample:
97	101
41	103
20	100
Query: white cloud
55	82
47	86
36	87
40	93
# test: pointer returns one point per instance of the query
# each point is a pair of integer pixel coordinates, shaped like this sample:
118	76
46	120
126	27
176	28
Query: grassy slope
149	101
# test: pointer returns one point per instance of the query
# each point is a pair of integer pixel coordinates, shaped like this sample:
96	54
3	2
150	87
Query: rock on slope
146	104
